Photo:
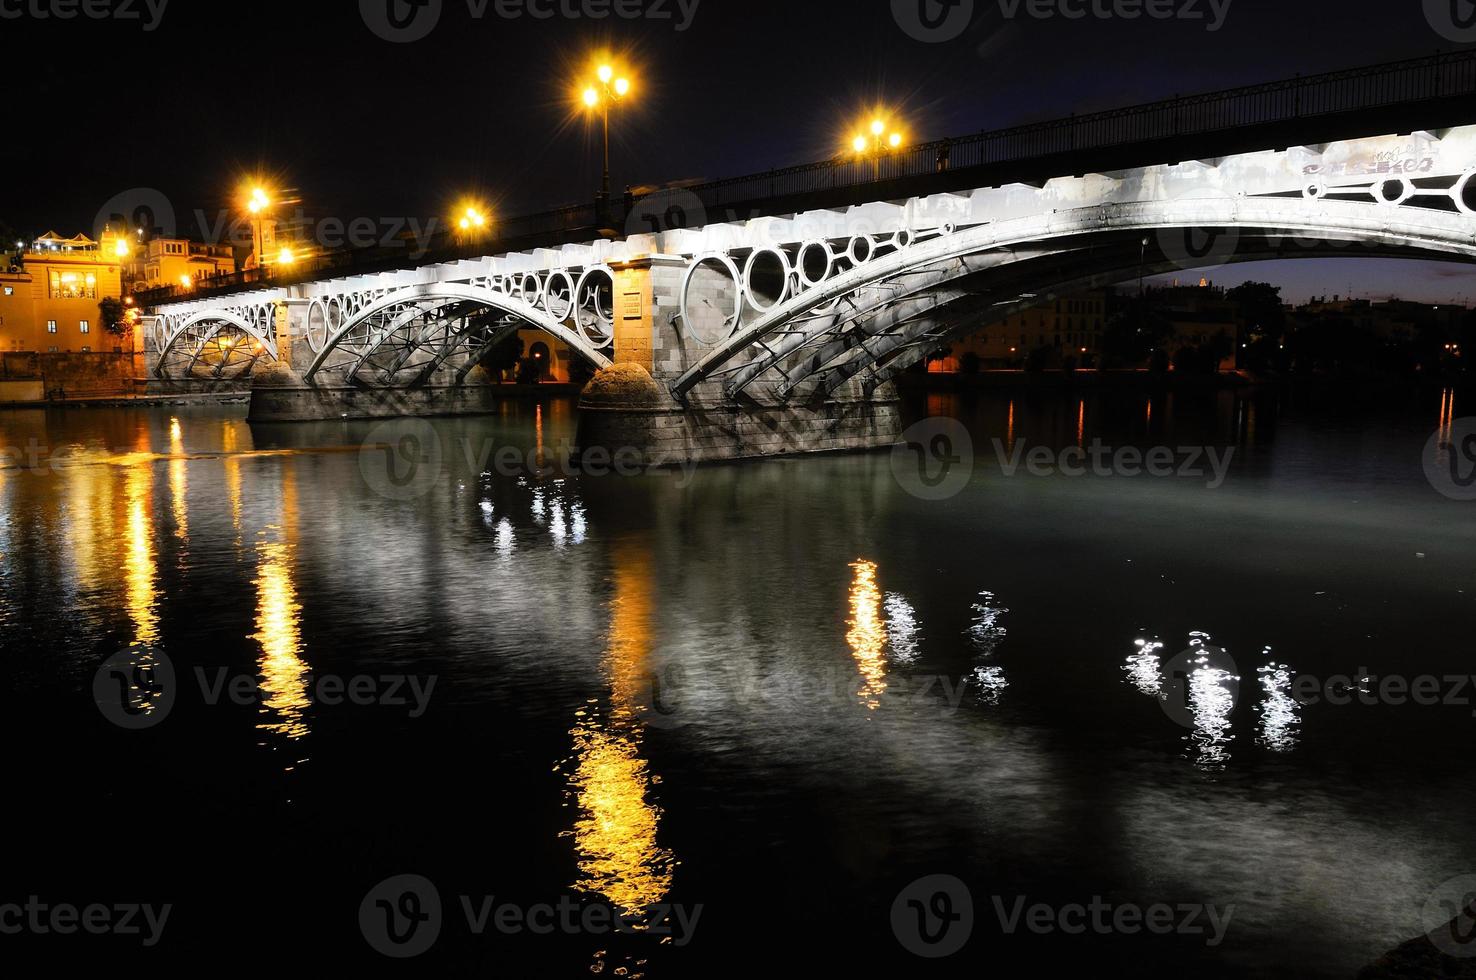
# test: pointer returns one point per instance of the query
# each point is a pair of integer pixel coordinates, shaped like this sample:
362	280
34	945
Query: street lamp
471	222
878	136
256	203
611	88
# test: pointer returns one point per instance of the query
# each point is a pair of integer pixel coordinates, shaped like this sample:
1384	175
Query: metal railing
1395	83
1419	79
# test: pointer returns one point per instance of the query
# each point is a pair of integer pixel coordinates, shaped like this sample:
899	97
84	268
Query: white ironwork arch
429	297
1438	233
217	319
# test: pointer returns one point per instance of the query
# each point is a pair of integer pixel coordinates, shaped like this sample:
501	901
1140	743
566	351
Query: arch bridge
794	312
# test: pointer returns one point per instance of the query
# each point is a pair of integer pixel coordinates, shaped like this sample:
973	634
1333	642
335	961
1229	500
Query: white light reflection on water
1280	712
1143	668
1211	699
991	681
903	632
986	634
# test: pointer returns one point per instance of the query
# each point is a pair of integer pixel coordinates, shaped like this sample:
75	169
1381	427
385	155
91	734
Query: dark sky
307	94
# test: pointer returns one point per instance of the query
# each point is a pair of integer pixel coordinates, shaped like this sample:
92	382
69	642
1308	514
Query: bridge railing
1440	76
1431	77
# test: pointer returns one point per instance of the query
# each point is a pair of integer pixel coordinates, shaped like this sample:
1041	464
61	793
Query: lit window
9	290
51	327
84	326
51	349
69	285
86	350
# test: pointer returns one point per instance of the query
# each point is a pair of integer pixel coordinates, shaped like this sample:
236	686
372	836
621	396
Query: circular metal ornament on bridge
333	311
1314	190
1382	195
785	270
860	249
530	288
317	326
689	325
1464	193
594	321
807	255
558	295
901	239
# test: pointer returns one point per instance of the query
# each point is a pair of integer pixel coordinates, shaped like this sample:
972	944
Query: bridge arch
190	335
384	318
1410	230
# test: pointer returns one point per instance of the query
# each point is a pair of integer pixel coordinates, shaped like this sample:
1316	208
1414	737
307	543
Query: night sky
357	126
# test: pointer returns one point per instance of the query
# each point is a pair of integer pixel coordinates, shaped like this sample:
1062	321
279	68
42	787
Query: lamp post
255	205
872	142
611	88
471	224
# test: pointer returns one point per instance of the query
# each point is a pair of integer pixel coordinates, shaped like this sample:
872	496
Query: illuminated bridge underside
793	309
220	343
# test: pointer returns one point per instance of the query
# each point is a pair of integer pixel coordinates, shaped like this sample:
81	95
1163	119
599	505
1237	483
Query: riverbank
136	401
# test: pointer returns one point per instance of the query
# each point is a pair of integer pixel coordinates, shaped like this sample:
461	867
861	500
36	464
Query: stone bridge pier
631	405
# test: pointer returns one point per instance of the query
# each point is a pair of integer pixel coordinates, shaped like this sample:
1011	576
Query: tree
503	357
1137	331
114	316
1263	323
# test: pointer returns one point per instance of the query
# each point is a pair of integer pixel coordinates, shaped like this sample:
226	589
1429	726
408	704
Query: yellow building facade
50	291
174	262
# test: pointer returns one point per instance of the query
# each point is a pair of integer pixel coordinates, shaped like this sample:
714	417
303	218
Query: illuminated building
49	293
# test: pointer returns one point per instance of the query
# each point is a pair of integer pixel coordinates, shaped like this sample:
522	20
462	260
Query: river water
764	699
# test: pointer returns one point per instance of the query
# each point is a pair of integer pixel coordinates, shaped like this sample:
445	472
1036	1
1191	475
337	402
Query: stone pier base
624	408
